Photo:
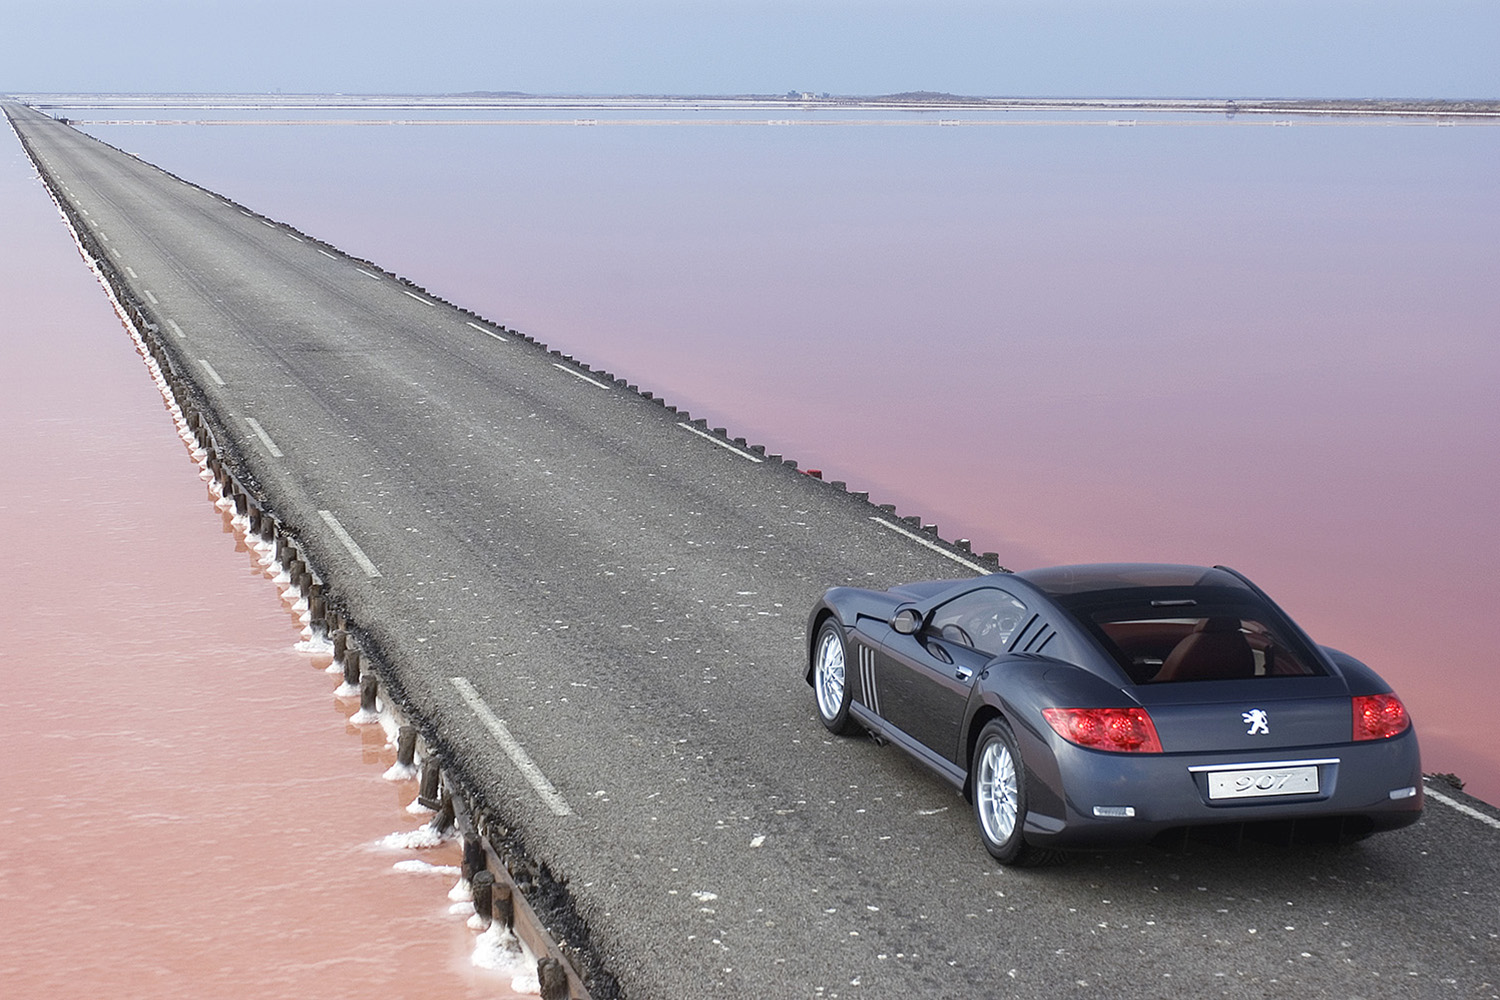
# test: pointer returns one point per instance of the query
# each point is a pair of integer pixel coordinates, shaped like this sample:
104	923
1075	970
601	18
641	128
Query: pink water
185	810
1213	342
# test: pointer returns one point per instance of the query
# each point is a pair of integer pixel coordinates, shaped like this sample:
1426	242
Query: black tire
830	678
997	789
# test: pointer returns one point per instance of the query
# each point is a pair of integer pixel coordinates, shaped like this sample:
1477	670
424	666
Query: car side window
983	619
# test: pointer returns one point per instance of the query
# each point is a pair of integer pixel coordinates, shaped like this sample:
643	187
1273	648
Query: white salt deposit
498	950
400	772
315	645
412	840
413	866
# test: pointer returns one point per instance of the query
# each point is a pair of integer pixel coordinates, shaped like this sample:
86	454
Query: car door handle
963	673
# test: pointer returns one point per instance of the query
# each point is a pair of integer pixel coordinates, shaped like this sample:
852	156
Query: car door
926	677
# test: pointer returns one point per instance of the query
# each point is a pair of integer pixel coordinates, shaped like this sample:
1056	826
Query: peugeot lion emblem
1256	719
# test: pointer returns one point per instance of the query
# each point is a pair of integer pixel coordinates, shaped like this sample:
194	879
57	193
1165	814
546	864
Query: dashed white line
246	214
211	373
265	438
325	253
414	295
367	274
722	444
131	271
487	333
1466	810
148	294
578	374
296	237
263	222
176	329
976	567
513	749
354	550
115	252
104	236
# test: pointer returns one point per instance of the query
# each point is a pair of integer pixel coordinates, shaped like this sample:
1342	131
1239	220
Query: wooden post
369	686
351	666
483	886
503	906
442	821
553	979
427	792
474	860
406	746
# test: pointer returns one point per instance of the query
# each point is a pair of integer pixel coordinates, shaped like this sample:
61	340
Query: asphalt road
628	596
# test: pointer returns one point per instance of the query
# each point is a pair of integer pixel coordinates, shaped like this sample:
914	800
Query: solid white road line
265	438
176	329
153	298
976	567
367	274
354	550
425	302
722	444
578	374
513	749
1466	810
488	333
325	253
211	373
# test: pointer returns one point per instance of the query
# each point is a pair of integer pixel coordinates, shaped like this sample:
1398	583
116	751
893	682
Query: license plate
1256	782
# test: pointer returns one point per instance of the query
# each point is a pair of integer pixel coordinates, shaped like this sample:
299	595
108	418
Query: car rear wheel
830	680
998	788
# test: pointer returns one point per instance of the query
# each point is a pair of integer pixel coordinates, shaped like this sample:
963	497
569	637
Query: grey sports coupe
1083	706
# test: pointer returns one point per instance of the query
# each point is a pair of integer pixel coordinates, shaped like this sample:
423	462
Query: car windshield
1208	643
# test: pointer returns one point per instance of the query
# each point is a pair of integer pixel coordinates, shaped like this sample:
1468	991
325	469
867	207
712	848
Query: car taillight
1118	730
1379	717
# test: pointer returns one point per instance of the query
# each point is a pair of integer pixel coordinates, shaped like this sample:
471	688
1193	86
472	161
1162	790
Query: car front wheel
830	680
998	788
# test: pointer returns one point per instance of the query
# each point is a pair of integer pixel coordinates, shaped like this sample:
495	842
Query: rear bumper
1084	798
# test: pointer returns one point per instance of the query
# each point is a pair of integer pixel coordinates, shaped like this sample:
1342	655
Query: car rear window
1223	643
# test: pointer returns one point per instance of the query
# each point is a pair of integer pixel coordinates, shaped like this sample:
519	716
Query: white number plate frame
1248	783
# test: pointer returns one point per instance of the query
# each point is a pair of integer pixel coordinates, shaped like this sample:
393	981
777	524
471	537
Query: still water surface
1192	340
185	810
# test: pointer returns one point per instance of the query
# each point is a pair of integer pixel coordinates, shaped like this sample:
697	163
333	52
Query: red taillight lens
1118	730
1379	717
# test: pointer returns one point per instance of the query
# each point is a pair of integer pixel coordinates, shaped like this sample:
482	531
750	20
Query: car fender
848	605
1018	686
1359	678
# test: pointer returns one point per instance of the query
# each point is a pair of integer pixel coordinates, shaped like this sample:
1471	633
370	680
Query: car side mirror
907	621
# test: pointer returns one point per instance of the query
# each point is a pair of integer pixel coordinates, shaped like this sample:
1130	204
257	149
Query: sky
1100	48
